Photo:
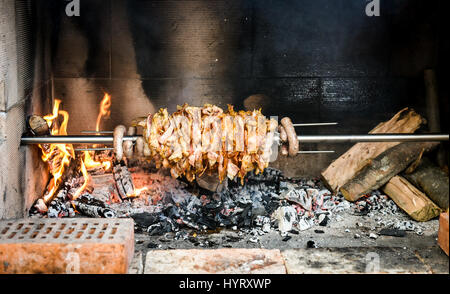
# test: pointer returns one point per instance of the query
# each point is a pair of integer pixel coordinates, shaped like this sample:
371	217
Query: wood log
415	203
381	169
433	181
124	181
38	125
443	232
347	165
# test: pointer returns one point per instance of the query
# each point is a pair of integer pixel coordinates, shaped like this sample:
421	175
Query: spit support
108	139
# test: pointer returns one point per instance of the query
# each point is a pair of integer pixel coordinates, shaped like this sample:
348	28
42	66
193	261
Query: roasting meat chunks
195	140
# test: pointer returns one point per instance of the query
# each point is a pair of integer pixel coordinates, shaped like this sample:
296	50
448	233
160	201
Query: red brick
443	232
214	261
86	246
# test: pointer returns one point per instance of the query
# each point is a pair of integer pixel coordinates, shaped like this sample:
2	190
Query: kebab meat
197	140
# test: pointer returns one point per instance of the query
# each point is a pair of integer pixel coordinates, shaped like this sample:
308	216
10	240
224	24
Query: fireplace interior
82	68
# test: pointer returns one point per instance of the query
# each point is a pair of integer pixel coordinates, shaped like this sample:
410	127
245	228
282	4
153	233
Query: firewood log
381	169
415	203
38	125
347	165
430	179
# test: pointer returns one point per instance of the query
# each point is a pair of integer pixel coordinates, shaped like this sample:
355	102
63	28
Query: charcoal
145	219
319	231
305	223
311	244
152	245
165	225
323	220
392	232
373	236
287	238
285	216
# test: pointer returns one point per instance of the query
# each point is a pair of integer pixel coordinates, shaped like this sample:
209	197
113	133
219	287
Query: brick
443	232
214	261
86	246
2	96
137	264
12	163
353	260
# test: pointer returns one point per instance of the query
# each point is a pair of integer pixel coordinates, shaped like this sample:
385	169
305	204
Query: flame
91	163
104	110
86	181
137	192
57	155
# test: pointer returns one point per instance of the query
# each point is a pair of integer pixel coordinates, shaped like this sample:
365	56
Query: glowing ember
137	192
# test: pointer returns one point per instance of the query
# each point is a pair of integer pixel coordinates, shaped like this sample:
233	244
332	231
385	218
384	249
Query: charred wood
381	169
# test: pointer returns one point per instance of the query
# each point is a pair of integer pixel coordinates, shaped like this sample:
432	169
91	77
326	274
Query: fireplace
109	63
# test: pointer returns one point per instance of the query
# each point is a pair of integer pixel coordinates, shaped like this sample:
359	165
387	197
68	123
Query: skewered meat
195	140
291	136
119	132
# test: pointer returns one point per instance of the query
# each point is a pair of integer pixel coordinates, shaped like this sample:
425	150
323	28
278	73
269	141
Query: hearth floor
335	250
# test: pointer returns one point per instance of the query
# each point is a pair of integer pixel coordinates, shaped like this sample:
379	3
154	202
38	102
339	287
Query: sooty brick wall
316	60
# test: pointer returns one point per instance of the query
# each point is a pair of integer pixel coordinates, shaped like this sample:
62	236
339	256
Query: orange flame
58	155
86	181
104	110
91	163
137	192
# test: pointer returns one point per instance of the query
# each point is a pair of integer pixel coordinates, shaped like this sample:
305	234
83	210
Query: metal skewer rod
87	139
99	132
315	124
316	151
92	149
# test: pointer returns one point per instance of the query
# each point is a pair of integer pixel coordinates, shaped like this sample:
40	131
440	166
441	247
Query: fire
86	181
59	156
104	110
91	163
137	192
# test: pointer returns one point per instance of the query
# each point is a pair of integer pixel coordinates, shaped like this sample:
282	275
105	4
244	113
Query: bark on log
430	179
415	203
381	169
347	165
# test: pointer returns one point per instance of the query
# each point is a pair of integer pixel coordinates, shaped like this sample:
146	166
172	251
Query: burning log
93	211
343	169
68	173
415	203
381	169
91	207
432	180
124	181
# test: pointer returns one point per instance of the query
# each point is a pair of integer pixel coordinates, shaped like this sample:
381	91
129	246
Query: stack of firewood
413	182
